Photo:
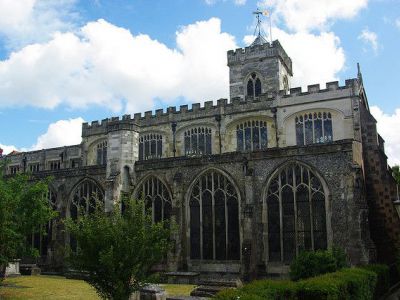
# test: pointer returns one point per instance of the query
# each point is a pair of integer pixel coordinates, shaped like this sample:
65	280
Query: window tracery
253	86
314	128
41	241
85	198
150	146
102	153
296	216
214	218
156	197
252	135
198	141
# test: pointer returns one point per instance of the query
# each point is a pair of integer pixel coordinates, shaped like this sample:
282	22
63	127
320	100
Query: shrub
383	278
340	257
354	283
310	264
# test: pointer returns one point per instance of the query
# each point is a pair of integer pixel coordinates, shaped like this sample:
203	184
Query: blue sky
65	61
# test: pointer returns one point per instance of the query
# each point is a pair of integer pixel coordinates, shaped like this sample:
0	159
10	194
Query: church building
251	181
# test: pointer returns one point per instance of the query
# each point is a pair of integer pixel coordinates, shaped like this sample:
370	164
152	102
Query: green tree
117	250
24	209
396	173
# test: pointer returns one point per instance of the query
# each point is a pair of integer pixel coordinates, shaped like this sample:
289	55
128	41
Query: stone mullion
213	212
201	218
294	191
281	217
311	211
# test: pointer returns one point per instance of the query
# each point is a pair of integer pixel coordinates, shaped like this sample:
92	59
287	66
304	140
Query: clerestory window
254	86
314	128
252	135
102	153
150	146
198	141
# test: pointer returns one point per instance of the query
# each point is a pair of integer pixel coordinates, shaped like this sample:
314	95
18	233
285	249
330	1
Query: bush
383	280
309	264
354	283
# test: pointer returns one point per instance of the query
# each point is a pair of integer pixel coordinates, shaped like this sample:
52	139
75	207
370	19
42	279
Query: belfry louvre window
86	196
314	128
150	146
102	153
198	141
252	135
254	86
296	216
157	198
214	218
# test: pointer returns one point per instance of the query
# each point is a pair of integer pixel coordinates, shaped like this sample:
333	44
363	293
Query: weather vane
258	31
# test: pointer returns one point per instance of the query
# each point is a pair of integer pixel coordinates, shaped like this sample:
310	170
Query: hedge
350	283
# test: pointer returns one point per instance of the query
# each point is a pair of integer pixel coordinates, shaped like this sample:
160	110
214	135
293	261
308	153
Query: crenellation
148	114
295	91
171	109
126	117
314	88
208	105
183	109
95	124
332	86
195	107
159	113
114	119
137	117
222	102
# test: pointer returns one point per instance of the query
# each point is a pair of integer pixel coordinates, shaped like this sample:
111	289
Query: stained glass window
252	135
313	128
150	146
214	202
296	213
198	141
157	198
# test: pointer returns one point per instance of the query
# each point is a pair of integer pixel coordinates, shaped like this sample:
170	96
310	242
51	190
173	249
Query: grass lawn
55	287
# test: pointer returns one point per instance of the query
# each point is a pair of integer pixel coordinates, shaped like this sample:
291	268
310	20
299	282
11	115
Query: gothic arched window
150	146
157	198
85	198
252	135
41	241
102	153
214	218
296	216
314	128
254	86
198	141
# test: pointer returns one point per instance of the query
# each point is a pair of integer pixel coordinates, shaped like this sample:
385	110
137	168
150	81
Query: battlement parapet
316	88
209	108
260	51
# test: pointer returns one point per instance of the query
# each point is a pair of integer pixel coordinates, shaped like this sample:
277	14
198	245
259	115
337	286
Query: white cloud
317	58
236	2
60	133
370	38
305	15
387	128
106	65
26	21
7	148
